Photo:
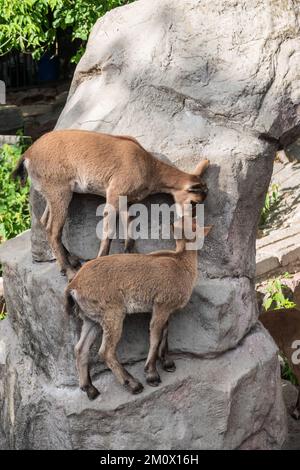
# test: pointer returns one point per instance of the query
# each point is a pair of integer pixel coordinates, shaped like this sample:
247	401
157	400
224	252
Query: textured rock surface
34	298
230	402
187	79
186	94
11	119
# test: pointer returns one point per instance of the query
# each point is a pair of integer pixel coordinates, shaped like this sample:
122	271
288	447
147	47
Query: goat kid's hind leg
88	335
73	260
112	325
166	362
45	217
158	322
58	208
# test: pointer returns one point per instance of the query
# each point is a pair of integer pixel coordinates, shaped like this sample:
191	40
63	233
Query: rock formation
188	79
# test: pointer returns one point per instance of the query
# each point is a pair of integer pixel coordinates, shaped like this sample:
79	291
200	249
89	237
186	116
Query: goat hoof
169	365
296	414
91	392
153	380
134	387
138	388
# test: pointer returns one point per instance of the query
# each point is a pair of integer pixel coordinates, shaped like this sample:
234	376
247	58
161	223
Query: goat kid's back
76	157
134	282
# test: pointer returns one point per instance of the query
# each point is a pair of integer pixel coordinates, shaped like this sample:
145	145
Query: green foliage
32	25
271	203
2	315
275	296
287	373
14	204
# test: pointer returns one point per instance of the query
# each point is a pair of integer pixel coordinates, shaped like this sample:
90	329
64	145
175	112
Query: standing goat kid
106	289
66	161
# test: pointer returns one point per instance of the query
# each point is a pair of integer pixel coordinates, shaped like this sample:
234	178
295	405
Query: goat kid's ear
201	167
195	188
207	230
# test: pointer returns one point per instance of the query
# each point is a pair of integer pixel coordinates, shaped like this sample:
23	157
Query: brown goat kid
106	289
66	161
284	327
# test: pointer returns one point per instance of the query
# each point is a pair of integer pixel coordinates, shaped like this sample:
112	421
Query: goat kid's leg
88	335
129	242
109	226
45	217
112	325
58	208
73	259
166	362
158	322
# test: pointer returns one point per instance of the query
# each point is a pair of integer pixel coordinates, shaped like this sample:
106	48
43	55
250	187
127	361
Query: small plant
2	316
14	204
271	203
2	308
287	373
275	296
14	201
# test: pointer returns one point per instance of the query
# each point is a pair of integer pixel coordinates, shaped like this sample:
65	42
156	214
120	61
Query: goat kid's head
195	190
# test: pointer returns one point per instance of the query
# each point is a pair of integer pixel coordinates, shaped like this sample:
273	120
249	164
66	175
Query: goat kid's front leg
158	322
88	335
112	325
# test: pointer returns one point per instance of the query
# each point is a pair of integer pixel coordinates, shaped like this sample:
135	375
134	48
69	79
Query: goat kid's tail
20	171
71	306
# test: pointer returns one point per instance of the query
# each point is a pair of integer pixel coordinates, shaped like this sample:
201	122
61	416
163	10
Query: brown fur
66	161
106	289
284	327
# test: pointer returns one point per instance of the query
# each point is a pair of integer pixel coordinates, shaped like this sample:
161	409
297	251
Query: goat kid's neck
170	178
188	258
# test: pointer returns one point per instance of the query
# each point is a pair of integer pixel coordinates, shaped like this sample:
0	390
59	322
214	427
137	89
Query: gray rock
10	119
187	80
220	313
231	402
185	95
